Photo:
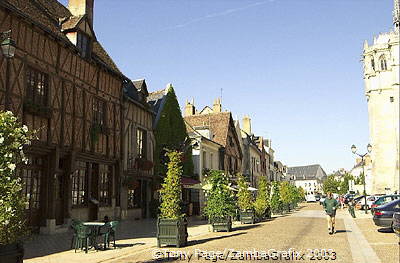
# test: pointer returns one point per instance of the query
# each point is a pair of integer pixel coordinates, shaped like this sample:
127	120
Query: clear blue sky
292	65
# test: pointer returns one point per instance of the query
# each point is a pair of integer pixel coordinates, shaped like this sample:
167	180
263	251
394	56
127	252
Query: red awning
189	181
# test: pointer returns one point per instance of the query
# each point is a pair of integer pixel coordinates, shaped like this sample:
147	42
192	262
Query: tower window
391	99
373	64
383	64
83	44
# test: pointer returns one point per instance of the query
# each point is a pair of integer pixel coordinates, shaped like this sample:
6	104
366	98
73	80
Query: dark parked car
383	200
348	197
396	223
383	215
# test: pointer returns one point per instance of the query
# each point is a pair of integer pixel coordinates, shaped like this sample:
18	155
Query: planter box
247	217
172	232
222	224
12	253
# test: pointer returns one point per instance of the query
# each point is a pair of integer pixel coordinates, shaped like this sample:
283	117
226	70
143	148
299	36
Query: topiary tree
286	195
245	198
220	201
262	203
171	190
13	137
170	133
276	202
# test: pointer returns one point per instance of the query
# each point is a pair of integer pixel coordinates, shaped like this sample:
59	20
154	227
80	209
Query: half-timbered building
138	184
62	84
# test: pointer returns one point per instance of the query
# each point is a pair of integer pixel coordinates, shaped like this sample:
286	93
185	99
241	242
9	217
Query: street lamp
8	47
354	151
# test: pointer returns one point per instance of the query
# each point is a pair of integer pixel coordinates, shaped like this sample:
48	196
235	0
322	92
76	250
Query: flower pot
11	253
172	232
247	217
222	224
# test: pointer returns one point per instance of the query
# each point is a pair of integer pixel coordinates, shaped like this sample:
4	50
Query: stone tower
381	78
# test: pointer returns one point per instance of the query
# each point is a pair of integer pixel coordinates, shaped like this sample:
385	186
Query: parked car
348	197
322	199
383	200
370	200
310	198
383	215
396	223
317	197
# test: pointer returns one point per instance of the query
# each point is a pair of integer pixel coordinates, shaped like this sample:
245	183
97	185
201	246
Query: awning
190	183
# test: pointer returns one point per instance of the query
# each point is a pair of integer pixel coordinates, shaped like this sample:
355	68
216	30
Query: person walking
330	204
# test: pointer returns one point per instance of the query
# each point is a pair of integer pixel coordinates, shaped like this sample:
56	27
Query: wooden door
59	198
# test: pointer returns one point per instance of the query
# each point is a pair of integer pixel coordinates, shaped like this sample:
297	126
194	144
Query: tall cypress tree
171	134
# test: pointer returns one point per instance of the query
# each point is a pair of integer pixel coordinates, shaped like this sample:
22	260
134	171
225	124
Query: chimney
82	7
190	110
217	107
246	124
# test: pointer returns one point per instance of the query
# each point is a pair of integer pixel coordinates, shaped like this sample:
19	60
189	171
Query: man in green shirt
330	204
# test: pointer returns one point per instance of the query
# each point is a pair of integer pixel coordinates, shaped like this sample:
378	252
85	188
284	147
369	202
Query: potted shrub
12	201
171	223
245	202
262	204
220	204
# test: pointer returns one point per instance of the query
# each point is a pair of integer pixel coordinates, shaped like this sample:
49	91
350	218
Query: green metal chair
113	225
83	236
107	232
74	224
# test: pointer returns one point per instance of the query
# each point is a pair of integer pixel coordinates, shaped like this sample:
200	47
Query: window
79	185
99	111
373	63
134	195
205	160
382	61
211	161
105	176
141	143
37	85
83	44
31	177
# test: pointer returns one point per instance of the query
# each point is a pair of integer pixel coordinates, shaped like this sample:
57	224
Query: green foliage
245	198
276	201
344	185
331	185
12	201
170	192
360	180
170	133
262	203
220	201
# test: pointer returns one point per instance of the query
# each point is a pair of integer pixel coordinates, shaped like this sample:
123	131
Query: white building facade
381	77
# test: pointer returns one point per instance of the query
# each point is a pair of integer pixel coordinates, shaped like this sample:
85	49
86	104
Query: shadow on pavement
343	231
385	230
245	227
205	240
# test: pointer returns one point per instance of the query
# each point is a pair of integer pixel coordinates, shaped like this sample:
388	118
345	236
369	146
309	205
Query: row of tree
333	185
270	198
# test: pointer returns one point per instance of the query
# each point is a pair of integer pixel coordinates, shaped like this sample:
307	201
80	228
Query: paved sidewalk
132	236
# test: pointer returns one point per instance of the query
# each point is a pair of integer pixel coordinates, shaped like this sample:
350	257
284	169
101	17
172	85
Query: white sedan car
311	198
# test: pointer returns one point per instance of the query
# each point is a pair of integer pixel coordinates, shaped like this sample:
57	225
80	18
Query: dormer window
383	64
83	44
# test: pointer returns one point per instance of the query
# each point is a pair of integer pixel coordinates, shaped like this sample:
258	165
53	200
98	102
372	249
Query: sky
294	66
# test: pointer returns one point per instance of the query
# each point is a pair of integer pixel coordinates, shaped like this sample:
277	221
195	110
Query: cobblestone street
356	240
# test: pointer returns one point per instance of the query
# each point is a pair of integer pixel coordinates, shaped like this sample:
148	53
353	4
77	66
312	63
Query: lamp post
354	151
8	47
